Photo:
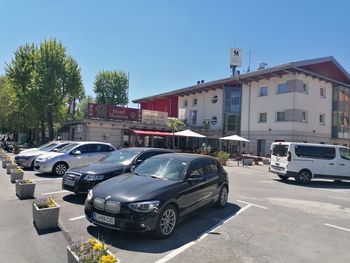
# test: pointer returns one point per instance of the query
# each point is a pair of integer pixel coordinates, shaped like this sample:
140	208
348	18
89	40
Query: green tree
57	80
175	124
8	106
82	107
111	87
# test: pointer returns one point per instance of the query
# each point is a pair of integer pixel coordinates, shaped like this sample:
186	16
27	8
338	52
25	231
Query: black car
83	178
156	193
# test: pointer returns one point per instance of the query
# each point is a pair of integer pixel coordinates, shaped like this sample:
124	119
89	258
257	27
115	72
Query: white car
71	156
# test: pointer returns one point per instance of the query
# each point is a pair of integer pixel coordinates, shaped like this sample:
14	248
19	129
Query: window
214	99
327	153
196	169
282	88
185	103
263	91
214	120
263	117
304	116
305	88
195	102
281	116
322	118
193	117
235	100
344	153
280	150
322	93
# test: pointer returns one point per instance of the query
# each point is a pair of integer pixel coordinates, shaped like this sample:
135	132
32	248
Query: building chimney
198	82
202	81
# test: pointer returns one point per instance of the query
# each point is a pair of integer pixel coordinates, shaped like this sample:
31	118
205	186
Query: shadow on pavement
188	229
75	199
47	231
41	175
319	184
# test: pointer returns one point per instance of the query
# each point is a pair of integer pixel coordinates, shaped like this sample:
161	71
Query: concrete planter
9	167
16	175
25	191
45	218
5	162
73	258
248	161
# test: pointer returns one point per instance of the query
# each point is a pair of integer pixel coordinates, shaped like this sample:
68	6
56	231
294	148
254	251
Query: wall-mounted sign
113	112
236	56
154	117
182	114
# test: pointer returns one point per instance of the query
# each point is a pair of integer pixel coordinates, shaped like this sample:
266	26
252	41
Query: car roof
308	144
189	157
145	149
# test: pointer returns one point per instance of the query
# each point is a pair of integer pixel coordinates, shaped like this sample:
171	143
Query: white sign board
236	56
154	117
182	114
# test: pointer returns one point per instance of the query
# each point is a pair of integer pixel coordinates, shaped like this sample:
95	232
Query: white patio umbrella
188	133
234	138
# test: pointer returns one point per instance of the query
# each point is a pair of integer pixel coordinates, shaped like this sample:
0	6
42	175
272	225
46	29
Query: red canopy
155	133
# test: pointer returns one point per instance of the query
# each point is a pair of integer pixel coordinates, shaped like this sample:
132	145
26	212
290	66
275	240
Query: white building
304	101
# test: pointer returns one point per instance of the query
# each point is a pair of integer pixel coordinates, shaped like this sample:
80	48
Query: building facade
303	101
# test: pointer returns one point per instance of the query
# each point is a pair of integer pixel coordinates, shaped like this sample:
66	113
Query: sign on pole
236	56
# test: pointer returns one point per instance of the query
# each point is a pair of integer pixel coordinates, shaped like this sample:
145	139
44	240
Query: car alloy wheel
166	222
223	196
60	169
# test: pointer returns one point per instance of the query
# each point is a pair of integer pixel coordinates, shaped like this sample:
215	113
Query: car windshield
48	146
68	148
124	157
168	169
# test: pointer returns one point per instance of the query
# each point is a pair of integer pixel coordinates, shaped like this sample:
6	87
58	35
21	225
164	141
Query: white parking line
337	227
57	192
262	207
46	179
270	182
181	249
76	218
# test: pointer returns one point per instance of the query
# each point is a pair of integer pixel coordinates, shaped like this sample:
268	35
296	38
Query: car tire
166	222
283	177
32	165
223	196
59	169
304	177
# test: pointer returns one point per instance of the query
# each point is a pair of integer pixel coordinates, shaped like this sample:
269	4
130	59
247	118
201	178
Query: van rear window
327	153
280	150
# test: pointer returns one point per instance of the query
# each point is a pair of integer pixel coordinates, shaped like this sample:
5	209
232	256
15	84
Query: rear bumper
284	173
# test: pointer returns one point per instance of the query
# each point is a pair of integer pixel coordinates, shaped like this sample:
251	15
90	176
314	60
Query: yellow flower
108	259
98	246
92	241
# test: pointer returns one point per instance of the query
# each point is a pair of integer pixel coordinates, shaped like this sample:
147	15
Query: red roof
155	133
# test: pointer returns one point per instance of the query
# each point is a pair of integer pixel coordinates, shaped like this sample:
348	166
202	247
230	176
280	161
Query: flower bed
90	251
16	174
5	162
45	213
25	188
10	166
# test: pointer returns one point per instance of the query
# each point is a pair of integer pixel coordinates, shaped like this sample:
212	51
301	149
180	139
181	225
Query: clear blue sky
166	45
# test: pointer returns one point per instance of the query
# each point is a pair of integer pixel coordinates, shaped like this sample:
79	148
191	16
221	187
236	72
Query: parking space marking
57	192
46	179
338	227
77	218
181	249
259	206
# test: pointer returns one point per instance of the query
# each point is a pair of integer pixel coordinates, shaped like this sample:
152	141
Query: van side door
344	163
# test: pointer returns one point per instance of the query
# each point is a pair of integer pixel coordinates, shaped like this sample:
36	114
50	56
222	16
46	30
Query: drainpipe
249	101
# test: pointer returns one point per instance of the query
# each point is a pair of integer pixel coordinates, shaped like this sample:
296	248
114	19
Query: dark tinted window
61	146
83	149
280	150
209	166
196	168
102	148
315	152
344	153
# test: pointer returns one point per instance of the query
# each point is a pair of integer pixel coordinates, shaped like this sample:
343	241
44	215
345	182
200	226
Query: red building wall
168	104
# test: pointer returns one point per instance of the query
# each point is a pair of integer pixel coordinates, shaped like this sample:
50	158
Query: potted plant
223	157
45	213
10	166
205	149
16	174
25	188
5	161
90	251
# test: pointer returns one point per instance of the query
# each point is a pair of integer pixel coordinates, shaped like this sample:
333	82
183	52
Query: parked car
73	155
26	158
83	178
305	161
157	193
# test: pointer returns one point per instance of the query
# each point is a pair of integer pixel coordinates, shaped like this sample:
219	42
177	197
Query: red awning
155	133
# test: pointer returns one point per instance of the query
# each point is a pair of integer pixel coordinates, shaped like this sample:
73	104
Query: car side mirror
137	162
55	150
195	178
77	153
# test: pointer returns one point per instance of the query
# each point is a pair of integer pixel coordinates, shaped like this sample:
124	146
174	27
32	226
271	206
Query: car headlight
147	206
94	177
89	196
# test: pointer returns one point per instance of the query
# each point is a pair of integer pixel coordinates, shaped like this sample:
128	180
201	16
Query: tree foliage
175	124
111	87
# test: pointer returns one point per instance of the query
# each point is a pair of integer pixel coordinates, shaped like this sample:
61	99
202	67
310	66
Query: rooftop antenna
248	69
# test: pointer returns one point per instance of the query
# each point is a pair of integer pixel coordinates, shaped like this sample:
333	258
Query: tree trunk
174	148
42	128
50	125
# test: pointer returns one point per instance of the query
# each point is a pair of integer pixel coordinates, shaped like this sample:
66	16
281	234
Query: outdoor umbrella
234	138
188	133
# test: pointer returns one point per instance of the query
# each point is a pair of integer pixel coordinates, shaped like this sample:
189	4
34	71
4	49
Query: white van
305	161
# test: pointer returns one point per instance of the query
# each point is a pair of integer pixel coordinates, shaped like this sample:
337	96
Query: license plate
104	219
69	182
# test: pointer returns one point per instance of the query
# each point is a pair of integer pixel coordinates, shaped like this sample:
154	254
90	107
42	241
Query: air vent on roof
262	65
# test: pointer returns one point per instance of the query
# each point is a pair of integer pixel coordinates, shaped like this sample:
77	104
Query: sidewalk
20	242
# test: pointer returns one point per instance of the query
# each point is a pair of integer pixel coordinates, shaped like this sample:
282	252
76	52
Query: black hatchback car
156	193
83	178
